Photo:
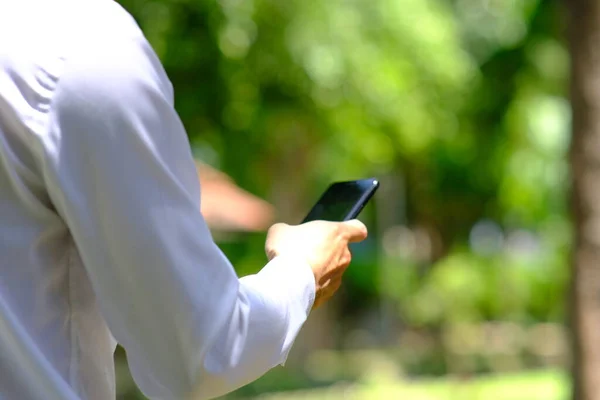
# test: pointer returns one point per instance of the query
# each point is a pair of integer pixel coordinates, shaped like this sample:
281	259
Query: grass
527	385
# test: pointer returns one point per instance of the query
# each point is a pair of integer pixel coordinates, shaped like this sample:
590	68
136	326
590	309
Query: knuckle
277	229
279	225
272	229
347	258
336	229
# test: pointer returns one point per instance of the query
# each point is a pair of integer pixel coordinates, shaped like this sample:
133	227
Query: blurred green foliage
463	101
547	385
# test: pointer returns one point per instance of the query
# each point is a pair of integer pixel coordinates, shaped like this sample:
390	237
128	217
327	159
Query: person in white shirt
101	237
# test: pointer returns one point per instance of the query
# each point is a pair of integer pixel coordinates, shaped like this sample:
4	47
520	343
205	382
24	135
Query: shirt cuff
296	279
295	284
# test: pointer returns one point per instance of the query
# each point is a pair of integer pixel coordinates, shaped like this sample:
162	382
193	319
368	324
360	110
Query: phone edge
355	212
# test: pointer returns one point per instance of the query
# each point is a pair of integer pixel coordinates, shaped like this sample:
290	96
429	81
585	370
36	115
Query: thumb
355	231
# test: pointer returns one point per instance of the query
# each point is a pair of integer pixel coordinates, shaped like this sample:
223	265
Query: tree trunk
584	42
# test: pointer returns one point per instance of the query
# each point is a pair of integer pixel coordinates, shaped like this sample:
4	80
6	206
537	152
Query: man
101	238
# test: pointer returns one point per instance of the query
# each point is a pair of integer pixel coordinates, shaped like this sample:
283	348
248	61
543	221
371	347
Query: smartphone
343	201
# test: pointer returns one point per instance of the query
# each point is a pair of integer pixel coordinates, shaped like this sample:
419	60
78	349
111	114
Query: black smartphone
343	201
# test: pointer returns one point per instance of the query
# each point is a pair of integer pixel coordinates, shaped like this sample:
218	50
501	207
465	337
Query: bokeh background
461	109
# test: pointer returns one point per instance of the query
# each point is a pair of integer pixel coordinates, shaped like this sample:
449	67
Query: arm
120	172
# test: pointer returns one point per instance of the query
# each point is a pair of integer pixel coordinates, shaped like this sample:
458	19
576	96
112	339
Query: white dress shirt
101	237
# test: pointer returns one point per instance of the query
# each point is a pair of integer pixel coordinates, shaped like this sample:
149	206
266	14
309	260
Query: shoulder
83	48
60	27
111	66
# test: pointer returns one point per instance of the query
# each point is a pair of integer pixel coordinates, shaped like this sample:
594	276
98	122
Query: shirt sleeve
119	169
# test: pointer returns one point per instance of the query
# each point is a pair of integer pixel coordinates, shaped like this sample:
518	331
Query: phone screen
343	200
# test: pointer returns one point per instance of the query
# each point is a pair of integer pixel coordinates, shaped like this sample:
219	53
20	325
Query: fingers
346	258
354	231
334	286
327	292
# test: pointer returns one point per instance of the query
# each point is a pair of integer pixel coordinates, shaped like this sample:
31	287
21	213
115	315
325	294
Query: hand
323	244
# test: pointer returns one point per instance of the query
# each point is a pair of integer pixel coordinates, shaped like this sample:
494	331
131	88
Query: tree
584	35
